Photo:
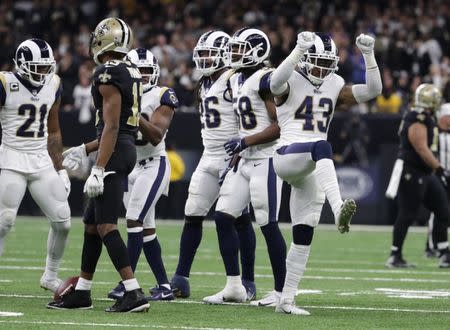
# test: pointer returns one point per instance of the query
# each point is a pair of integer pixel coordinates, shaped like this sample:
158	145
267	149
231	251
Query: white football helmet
147	64
35	62
248	47
321	59
209	53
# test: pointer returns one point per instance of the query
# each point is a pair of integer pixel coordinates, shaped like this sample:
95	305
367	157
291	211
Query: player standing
254	180
306	99
116	91
150	176
30	153
218	125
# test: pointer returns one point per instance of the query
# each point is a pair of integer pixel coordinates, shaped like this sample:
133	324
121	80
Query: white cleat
231	294
346	213
51	284
269	300
287	306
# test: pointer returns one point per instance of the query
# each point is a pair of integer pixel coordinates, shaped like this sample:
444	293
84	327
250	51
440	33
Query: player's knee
62	213
302	234
149	234
322	149
61	226
194	220
243	220
134	223
7	218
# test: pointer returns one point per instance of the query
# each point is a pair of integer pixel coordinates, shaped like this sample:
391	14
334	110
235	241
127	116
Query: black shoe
132	301
444	260
431	253
397	261
77	299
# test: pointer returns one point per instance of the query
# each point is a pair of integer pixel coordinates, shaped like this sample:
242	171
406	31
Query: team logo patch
13	87
104	77
173	97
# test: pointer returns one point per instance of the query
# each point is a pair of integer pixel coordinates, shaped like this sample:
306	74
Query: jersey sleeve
2	89
112	74
59	88
264	82
169	98
416	117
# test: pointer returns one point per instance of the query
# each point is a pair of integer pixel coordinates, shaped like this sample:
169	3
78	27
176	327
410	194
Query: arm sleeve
169	98
373	85
278	81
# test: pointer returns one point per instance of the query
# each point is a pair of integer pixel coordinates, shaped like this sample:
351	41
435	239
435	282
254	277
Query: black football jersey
126	77
407	151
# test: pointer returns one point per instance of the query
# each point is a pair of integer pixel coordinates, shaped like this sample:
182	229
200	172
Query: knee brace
302	234
321	149
7	218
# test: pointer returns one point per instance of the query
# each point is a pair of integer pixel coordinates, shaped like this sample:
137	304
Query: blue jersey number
305	113
245	113
211	116
30	110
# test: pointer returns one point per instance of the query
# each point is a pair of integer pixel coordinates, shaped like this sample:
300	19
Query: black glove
440	172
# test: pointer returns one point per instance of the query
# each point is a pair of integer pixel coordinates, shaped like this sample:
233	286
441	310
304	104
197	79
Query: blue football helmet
147	65
209	53
248	47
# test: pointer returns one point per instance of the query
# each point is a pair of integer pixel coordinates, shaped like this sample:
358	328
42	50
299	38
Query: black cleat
397	261
77	299
431	253
132	301
444	260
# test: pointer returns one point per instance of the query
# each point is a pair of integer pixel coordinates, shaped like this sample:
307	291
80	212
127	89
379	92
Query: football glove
65	179
73	157
232	165
94	184
440	172
305	40
365	43
235	146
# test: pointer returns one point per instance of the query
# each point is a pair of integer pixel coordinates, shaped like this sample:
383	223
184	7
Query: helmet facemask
320	66
241	54
150	75
208	59
38	73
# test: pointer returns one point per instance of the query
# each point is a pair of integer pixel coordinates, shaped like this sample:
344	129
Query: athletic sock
83	284
134	245
276	247
189	242
92	248
247	246
152	251
56	243
131	284
325	174
296	260
228	242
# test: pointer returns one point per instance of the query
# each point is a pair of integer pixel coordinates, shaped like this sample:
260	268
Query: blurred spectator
82	95
389	101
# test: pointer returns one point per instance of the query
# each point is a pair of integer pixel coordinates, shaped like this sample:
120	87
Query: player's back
126	77
151	100
250	107
308	110
24	112
219	122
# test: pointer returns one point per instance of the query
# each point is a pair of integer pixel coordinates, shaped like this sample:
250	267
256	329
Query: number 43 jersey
306	114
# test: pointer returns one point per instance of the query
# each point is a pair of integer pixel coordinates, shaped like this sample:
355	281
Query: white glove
365	43
65	179
73	157
305	40
94	184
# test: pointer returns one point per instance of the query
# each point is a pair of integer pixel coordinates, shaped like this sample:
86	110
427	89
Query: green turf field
346	285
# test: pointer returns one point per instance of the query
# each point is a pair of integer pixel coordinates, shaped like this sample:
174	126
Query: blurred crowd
412	44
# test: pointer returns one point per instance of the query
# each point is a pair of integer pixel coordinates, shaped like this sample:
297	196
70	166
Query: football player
116	92
218	125
30	153
254	179
306	98
420	177
151	174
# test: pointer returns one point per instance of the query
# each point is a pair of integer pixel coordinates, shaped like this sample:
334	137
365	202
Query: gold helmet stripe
125	32
417	93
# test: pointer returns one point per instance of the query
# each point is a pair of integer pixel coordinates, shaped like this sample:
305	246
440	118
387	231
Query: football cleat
132	302
51	284
180	286
287	306
250	288
346	213
431	253
117	292
271	299
77	299
444	260
160	292
229	294
397	261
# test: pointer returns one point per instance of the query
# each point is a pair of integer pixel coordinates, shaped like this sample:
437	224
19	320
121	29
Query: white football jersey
306	114
219	122
251	110
24	111
151	100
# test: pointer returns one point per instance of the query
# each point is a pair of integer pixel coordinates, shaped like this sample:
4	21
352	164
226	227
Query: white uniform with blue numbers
255	180
219	124
151	175
24	159
304	118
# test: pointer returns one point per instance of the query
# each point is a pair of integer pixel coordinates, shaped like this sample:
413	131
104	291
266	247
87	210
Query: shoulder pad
168	97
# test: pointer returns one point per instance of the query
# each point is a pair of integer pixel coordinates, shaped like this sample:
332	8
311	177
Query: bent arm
417	135
271	132
153	130
279	78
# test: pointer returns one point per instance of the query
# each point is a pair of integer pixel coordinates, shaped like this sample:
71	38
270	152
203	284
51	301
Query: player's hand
305	40
440	172
232	165
94	184
73	157
234	146
365	43
65	179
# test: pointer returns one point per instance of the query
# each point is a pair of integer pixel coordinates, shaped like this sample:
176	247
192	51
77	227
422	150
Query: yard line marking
116	325
3	314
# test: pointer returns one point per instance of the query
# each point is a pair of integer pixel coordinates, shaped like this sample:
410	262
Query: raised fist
305	40
365	43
